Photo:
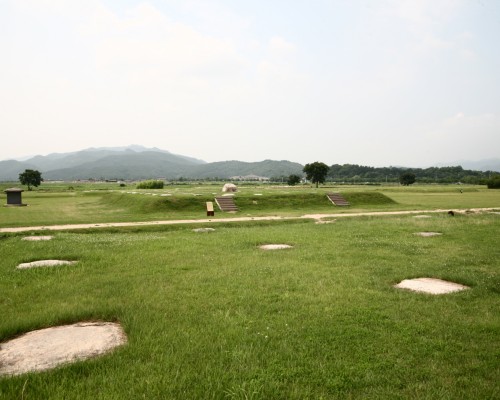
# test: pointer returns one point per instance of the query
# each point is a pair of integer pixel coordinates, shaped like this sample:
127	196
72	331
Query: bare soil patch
430	285
47	348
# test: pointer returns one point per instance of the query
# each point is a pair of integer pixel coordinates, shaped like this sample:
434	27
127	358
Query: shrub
293	180
150	184
406	179
494	183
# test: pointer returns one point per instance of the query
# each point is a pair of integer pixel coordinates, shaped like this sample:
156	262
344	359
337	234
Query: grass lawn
211	316
56	204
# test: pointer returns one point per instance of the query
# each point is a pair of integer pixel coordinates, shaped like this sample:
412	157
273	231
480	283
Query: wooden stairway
226	203
337	199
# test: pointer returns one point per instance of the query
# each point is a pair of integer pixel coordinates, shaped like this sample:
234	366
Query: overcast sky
372	82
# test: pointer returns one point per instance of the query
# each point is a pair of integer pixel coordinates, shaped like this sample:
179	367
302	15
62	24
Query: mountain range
137	162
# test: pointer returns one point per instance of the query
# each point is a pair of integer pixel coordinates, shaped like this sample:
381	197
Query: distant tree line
318	172
352	173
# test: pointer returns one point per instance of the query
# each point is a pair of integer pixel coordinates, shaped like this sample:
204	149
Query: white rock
45	263
275	246
36	238
47	348
229	187
430	285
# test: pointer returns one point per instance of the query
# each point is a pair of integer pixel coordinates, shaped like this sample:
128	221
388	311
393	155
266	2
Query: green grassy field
212	316
99	203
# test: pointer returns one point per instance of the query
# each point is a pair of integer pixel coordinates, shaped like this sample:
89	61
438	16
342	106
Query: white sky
371	82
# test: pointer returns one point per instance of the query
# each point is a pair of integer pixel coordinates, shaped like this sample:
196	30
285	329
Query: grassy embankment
211	316
59	204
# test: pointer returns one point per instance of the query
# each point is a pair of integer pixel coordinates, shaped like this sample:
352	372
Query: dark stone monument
14	197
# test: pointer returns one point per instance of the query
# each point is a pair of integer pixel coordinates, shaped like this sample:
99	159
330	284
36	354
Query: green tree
30	177
150	184
293	180
407	178
316	172
494	182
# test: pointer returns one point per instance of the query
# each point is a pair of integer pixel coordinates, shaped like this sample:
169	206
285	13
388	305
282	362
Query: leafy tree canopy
406	179
316	172
352	173
150	184
30	177
293	180
494	182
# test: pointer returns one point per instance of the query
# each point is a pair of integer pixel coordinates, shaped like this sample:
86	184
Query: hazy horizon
395	82
439	164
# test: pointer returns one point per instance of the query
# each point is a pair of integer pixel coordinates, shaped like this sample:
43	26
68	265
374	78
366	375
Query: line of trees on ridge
348	174
352	173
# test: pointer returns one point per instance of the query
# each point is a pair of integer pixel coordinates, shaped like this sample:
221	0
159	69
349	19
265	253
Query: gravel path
317	217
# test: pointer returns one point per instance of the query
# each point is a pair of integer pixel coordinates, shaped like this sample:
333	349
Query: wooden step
226	203
337	199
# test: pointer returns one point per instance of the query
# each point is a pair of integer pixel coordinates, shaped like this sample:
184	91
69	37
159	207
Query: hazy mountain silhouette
137	162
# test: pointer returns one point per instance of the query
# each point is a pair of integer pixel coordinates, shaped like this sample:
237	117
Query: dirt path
317	217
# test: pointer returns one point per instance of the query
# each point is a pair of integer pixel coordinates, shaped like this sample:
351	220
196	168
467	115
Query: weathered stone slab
275	246
47	348
430	285
37	238
44	263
